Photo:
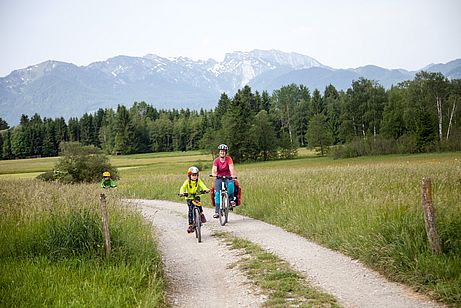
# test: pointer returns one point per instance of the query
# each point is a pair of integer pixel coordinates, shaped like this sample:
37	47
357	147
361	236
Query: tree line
418	115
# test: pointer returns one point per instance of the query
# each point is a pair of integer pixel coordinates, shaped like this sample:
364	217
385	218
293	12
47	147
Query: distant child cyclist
192	186
106	181
223	165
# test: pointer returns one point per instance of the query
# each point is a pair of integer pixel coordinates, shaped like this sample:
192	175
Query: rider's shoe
216	215
232	203
202	218
190	229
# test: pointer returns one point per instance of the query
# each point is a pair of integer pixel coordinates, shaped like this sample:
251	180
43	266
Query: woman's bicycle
224	200
196	222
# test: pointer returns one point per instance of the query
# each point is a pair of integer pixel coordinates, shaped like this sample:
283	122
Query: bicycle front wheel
224	209
198	225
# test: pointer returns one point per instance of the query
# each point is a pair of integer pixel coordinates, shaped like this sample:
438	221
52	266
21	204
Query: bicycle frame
196	222
224	201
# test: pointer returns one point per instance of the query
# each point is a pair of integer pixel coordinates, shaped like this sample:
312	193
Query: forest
419	115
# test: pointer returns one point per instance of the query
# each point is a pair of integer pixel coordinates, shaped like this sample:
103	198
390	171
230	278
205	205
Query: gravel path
196	271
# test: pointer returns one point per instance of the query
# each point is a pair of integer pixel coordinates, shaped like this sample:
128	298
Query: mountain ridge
55	88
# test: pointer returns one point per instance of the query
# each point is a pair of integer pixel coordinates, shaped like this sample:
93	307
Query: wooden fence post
105	224
429	216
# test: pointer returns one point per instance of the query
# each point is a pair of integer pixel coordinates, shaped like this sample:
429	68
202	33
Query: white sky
407	34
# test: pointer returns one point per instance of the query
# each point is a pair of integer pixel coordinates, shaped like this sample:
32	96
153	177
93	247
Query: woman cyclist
223	165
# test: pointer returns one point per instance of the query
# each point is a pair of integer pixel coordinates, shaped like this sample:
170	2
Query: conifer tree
6	147
263	134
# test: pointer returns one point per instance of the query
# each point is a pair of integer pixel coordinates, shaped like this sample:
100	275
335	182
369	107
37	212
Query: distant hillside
55	89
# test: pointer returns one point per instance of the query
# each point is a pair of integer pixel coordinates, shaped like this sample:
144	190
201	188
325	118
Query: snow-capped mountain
55	89
245	66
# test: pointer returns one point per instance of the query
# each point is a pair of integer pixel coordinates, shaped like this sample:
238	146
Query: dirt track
196	272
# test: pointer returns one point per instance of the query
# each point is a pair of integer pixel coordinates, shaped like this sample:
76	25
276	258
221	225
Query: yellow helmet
107	173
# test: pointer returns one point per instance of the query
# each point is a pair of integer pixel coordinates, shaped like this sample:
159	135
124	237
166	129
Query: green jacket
108	184
191	187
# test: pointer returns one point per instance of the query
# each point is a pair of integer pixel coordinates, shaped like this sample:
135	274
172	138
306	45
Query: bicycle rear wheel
197	225
224	209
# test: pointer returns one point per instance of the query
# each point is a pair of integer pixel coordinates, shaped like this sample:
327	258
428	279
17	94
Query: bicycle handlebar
201	192
223	177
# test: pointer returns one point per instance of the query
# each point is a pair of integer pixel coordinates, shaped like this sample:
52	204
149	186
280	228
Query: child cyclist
192	186
106	181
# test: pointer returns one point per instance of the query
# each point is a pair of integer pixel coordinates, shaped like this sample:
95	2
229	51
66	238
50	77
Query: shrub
407	144
79	164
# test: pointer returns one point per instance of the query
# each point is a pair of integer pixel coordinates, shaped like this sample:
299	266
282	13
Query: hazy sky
341	34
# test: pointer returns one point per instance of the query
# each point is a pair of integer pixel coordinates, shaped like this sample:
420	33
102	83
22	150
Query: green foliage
1	145
7	152
288	150
263	134
80	164
237	123
393	124
20	142
3	124
362	109
287	104
318	135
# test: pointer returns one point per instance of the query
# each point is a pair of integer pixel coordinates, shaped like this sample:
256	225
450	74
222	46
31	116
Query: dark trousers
191	211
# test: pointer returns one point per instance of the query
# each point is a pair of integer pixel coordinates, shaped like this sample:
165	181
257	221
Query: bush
378	145
79	164
47	176
407	144
453	144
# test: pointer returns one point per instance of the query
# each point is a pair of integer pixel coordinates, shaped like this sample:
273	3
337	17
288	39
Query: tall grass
370	210
52	250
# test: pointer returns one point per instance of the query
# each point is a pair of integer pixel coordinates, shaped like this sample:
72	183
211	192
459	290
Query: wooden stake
105	224
429	215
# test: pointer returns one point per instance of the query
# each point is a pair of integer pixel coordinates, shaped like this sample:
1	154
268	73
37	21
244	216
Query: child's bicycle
224	200
196	222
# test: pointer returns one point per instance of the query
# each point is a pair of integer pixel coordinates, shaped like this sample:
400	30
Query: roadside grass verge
369	209
283	286
52	254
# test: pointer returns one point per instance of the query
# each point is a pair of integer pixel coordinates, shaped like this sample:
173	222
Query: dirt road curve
196	272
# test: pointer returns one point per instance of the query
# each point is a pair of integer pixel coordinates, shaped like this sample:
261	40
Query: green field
51	251
368	208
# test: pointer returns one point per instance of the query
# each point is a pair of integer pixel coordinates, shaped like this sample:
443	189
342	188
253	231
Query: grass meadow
51	251
368	208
